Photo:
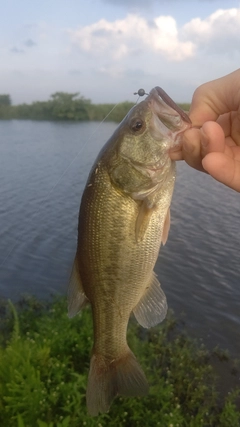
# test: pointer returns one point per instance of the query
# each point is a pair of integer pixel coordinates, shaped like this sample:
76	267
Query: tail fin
108	379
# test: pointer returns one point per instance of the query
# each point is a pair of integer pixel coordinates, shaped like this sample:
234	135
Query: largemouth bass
124	217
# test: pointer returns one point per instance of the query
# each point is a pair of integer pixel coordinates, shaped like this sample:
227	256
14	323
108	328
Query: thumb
224	169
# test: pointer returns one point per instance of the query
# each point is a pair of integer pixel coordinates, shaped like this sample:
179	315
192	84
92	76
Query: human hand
213	144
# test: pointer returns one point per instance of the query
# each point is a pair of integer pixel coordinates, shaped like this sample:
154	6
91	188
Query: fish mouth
169	101
168	121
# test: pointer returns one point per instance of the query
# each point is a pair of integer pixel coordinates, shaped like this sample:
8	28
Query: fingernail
204	139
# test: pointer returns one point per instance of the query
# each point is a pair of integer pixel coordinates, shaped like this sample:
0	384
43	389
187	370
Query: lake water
43	169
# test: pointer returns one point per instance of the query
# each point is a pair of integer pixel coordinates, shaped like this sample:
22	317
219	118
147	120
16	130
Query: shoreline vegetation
66	106
44	362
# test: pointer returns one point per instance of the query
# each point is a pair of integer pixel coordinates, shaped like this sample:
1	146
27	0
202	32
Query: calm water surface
43	169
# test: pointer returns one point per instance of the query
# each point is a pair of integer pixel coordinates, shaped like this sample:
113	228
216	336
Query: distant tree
66	106
63	97
69	106
5	100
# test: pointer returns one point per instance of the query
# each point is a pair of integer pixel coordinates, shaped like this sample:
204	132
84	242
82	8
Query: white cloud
126	37
109	60
218	33
123	39
178	58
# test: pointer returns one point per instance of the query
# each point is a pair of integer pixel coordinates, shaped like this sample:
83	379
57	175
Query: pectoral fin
143	218
152	307
166	227
76	296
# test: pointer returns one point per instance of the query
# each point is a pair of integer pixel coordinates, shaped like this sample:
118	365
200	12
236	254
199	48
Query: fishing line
81	149
59	180
140	93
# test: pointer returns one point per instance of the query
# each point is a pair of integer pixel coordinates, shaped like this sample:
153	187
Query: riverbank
45	360
68	107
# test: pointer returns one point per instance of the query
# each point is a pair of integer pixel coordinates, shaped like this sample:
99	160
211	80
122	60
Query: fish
124	217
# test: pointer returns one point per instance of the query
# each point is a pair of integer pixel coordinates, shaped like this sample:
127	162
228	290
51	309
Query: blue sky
108	49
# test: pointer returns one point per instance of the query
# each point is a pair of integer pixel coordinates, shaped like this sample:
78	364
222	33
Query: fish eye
137	125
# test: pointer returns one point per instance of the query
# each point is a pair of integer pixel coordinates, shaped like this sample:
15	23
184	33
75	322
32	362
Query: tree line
64	106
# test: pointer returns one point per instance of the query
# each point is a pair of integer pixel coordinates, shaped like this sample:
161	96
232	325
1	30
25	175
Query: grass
44	361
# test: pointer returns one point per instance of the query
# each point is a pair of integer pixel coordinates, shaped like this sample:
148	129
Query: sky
107	49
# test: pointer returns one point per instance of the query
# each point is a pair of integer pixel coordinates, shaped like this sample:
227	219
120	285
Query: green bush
44	363
66	106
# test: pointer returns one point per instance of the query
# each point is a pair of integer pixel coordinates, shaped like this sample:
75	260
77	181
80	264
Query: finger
198	143
230	123
224	169
214	98
212	138
191	148
175	153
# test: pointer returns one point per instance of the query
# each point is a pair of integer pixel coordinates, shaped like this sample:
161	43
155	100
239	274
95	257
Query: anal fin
152	307
76	296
